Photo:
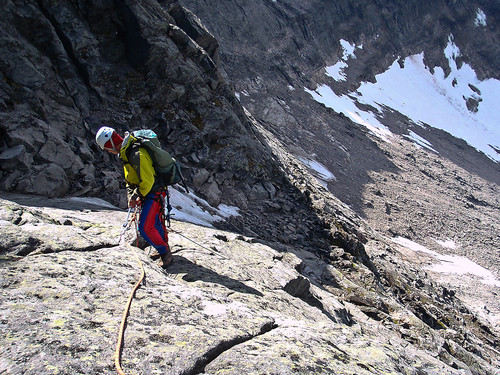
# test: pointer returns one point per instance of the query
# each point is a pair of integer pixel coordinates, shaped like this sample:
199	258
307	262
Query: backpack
166	167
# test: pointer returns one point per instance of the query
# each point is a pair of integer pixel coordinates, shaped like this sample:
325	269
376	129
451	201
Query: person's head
108	139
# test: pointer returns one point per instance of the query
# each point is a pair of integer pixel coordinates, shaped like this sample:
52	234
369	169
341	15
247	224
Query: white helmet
103	135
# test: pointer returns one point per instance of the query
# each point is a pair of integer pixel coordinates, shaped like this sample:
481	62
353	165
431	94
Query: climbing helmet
107	138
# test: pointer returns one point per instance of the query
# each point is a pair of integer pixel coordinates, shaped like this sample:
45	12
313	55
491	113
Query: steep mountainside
297	266
276	54
273	50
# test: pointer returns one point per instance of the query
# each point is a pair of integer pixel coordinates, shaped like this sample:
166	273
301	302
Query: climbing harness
166	208
163	198
119	345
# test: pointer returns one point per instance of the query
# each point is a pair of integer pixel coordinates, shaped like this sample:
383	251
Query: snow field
427	98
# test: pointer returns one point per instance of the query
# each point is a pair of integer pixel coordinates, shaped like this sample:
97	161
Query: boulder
200	177
213	194
48	180
258	192
15	158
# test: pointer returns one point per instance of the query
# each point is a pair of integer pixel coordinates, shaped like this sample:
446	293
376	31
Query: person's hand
134	202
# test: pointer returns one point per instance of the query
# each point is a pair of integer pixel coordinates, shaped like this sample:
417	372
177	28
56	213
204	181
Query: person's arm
133	198
142	164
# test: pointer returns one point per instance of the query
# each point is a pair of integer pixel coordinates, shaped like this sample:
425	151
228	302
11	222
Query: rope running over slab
119	344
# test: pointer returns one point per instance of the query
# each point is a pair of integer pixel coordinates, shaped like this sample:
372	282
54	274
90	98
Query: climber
143	190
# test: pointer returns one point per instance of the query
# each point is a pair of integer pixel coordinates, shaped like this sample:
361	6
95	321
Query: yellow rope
119	344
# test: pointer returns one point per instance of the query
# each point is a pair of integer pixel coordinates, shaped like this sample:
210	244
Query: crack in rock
223	346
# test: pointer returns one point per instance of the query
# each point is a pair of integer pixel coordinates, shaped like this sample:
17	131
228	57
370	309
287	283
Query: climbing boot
165	259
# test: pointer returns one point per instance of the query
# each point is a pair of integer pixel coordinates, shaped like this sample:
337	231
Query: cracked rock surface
228	304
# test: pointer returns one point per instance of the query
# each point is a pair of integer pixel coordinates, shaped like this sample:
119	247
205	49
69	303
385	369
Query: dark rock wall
69	67
297	36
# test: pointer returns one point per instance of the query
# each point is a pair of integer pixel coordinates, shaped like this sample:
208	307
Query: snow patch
409	244
337	71
348	49
185	207
226	211
346	105
480	18
188	207
461	266
449	244
419	141
427	99
451	263
318	170
440	101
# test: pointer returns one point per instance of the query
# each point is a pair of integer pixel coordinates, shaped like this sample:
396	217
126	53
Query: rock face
228	304
132	68
68	69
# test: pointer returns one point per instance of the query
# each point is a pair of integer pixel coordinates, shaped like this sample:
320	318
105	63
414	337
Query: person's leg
151	226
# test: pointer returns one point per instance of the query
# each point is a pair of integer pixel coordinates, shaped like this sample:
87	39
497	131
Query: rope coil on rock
119	344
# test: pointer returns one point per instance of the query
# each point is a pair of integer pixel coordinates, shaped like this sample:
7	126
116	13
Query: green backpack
166	167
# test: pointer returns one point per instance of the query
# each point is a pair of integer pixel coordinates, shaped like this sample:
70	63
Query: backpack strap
133	146
130	148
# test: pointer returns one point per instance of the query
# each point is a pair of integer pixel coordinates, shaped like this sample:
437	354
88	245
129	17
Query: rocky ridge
320	272
121	64
130	69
